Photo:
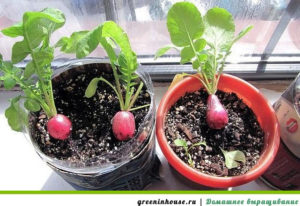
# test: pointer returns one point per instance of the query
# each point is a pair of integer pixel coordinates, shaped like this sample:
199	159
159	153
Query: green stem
127	96
48	97
42	87
221	68
207	83
139	107
51	101
214	82
201	80
117	80
135	95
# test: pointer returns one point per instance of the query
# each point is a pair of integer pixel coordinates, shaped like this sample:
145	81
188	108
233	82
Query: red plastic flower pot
253	98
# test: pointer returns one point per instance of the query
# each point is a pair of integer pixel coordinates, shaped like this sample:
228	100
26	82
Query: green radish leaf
184	23
122	61
20	51
69	44
242	33
199	44
107	34
109	50
199	143
38	26
180	143
162	51
196	64
232	158
88	42
29	70
208	68
9	82
111	30
111	43
92	87
219	28
14	31
15	115
186	54
12	116
44	57
29	93
202	57
32	105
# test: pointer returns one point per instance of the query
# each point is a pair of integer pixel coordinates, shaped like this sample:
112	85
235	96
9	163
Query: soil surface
92	137
187	120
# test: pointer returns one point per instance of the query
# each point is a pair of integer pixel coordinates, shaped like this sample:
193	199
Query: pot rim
107	167
269	151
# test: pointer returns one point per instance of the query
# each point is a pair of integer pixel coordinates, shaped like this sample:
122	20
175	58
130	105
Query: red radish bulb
59	127
123	125
216	115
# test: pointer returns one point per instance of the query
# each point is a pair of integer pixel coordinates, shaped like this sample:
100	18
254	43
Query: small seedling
124	65
205	42
36	29
183	143
232	158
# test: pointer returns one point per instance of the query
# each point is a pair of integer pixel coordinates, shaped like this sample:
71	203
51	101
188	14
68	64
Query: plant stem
214	83
221	68
119	91
52	103
206	84
48	97
201	80
139	107
135	95
127	96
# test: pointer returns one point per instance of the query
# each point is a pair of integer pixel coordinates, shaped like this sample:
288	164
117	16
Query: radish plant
205	42
35	29
124	64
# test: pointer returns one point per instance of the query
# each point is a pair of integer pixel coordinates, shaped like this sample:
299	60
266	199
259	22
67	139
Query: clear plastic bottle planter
133	167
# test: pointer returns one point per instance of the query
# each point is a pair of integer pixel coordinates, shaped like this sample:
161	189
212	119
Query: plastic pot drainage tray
91	157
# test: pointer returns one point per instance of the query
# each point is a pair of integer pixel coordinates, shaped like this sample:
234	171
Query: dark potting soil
187	120
92	137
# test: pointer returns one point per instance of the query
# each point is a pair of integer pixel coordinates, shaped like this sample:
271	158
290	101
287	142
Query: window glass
275	34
